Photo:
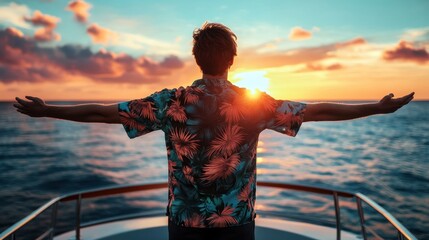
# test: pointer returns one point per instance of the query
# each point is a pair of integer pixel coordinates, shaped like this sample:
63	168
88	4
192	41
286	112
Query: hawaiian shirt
211	134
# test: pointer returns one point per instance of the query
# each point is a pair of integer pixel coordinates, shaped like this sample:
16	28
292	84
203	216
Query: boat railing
9	233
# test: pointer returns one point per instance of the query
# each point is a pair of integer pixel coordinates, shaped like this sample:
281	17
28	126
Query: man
211	132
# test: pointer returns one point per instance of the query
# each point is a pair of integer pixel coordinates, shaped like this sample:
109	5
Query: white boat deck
155	228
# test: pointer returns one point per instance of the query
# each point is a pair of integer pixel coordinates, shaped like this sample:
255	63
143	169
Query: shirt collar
212	82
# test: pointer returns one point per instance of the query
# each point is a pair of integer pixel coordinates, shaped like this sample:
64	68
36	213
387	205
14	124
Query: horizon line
123	100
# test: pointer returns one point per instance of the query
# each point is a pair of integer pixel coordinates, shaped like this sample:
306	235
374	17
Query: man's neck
209	77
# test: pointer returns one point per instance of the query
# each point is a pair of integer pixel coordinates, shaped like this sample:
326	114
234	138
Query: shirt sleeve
287	117
142	116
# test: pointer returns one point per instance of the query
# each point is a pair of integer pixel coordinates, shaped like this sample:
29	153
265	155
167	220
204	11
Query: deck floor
155	228
161	233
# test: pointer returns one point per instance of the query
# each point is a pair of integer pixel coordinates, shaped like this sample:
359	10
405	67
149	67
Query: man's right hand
36	107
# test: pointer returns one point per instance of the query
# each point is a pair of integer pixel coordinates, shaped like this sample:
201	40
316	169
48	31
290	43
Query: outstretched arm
36	107
338	112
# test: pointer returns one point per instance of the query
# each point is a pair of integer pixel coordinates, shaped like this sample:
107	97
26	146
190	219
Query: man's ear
231	62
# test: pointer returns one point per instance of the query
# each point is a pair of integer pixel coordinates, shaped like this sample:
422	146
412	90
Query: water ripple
384	157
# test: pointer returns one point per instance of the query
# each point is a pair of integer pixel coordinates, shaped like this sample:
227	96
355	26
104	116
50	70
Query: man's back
211	131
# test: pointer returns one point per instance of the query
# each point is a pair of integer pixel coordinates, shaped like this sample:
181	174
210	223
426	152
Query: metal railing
402	232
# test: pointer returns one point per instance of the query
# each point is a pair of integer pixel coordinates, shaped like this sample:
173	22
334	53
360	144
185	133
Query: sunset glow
254	81
93	50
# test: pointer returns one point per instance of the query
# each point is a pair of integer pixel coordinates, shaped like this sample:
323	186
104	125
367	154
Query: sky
298	50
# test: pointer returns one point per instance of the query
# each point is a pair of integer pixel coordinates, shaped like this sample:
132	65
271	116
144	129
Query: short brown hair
214	48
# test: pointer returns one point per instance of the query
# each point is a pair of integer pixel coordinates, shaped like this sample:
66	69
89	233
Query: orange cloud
48	23
353	42
22	60
405	51
298	33
252	58
99	34
80	9
46	34
14	31
318	67
40	19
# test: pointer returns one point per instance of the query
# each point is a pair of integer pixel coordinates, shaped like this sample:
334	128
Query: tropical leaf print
233	111
290	132
170	196
129	120
173	180
144	108
177	112
182	209
227	141
179	92
171	166
283	119
223	219
195	221
187	171
184	143
298	118
268	103
220	167
192	95
244	193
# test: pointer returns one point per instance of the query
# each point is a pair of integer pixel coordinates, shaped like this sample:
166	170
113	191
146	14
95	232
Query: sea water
382	156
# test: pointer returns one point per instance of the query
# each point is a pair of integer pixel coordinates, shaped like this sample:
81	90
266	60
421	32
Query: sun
254	81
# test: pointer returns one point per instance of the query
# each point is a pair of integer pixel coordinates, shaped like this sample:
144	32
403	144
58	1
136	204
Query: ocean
384	157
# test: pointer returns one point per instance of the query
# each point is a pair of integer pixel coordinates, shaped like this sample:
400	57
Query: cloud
13	13
353	42
100	35
310	67
149	45
80	9
15	32
48	23
417	34
405	51
46	35
21	59
298	33
40	19
253	58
